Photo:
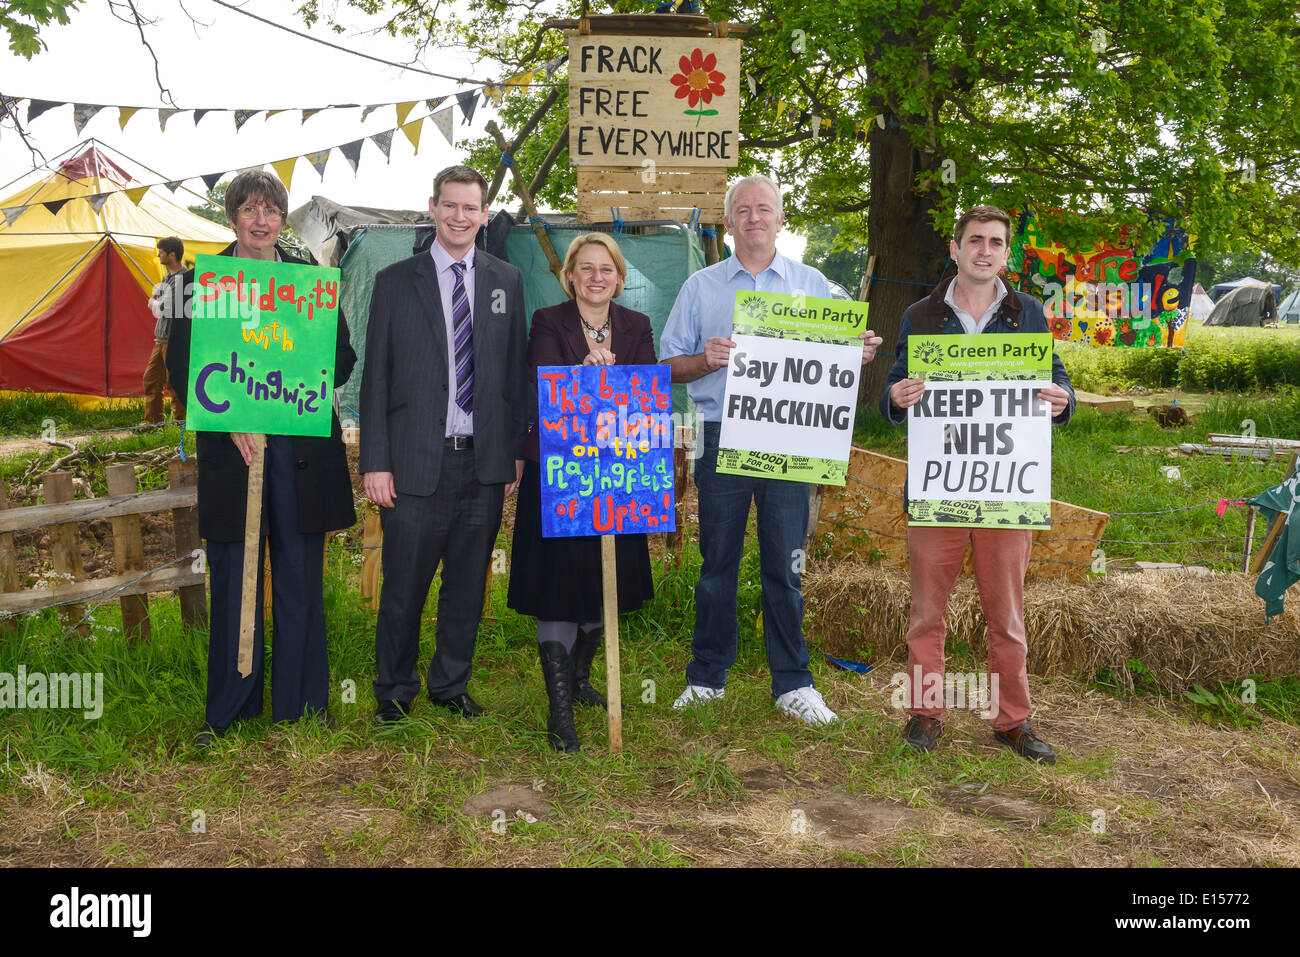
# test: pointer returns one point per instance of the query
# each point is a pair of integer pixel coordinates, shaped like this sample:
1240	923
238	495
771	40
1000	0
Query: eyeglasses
267	212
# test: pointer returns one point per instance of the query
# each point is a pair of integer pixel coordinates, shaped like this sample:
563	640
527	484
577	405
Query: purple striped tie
462	328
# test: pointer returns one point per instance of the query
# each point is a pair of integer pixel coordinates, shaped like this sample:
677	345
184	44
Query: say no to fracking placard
792	385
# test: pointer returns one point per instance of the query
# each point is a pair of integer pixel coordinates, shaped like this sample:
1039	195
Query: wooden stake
185	533
373	542
1250	537
64	546
539	230
613	683
252	539
128	552
8	565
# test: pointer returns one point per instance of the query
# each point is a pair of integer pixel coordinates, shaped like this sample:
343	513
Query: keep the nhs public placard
606	442
262	346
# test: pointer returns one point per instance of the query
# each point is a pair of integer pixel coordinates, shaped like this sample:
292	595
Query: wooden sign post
248	609
613	680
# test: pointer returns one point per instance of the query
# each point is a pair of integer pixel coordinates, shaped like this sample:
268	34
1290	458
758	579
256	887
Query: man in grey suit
443	416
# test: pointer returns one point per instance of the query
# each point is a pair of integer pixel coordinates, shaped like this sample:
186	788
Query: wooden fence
124	505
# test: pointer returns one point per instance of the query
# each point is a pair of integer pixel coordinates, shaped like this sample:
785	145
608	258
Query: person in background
559	580
166	303
305	494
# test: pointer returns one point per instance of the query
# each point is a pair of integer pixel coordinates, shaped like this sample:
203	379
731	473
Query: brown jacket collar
930	316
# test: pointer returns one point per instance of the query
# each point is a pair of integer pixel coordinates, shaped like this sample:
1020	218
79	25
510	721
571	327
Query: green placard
785	316
262	346
990	356
981	357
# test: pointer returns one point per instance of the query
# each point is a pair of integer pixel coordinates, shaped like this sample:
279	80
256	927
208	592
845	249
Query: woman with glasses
306	493
558	580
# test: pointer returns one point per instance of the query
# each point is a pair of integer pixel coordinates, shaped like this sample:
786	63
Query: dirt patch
516	800
1004	807
843	817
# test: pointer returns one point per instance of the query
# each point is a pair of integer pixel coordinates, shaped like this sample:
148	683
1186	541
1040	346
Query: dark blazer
556	338
1019	312
404	384
324	489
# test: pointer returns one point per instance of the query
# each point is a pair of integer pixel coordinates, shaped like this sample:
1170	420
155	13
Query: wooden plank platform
1103	403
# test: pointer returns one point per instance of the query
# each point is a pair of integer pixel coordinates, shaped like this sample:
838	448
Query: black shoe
922	732
557	669
391	711
1025	743
584	650
208	737
462	704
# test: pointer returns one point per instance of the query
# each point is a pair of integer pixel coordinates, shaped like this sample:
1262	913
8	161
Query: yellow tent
78	260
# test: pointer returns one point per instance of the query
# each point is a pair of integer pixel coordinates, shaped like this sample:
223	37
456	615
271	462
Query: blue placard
606	437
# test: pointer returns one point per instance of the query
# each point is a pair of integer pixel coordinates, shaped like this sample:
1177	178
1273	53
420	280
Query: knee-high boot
557	669
584	650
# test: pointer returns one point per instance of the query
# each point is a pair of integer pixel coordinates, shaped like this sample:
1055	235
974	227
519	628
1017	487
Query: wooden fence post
8	566
185	529
128	551
65	548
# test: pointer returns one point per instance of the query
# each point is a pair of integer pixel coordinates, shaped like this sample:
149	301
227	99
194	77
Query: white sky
230	61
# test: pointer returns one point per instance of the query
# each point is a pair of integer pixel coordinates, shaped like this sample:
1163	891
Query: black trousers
299	665
457	527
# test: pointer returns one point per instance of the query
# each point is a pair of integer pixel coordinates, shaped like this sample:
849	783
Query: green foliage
832	250
1237	359
22	18
25	414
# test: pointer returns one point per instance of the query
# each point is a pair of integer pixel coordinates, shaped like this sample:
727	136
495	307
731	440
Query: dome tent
74	316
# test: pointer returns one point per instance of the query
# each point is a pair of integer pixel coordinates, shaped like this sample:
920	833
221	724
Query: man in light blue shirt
696	343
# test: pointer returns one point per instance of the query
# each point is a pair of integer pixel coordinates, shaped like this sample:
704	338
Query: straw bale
1185	629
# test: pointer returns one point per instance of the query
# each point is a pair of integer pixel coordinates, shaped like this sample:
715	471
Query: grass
33	413
715	785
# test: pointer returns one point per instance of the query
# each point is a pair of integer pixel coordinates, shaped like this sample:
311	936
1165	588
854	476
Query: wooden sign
639	100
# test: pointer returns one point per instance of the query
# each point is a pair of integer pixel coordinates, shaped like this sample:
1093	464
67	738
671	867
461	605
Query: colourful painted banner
262	347
1108	294
606	437
812	319
979	443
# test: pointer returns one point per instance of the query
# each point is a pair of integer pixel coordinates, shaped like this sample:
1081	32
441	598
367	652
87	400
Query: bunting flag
36	107
163	117
9	106
211	179
199	114
55	205
11	213
318	160
519	80
383	140
284	169
753	87
124	114
83	113
98	200
243	116
136	193
494	93
781	107
443	120
404	110
173	185
367	111
352	152
271	113
412	131
468	101
434	103
308	114
550	66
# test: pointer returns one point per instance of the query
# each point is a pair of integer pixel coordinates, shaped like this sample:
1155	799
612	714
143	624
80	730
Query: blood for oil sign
671	100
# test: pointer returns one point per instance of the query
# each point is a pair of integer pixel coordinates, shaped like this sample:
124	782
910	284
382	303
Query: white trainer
696	694
807	705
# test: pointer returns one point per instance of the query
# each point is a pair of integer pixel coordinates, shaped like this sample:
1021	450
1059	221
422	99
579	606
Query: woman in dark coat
306	493
558	580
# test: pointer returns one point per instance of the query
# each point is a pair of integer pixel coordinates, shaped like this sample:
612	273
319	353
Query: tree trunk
910	254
